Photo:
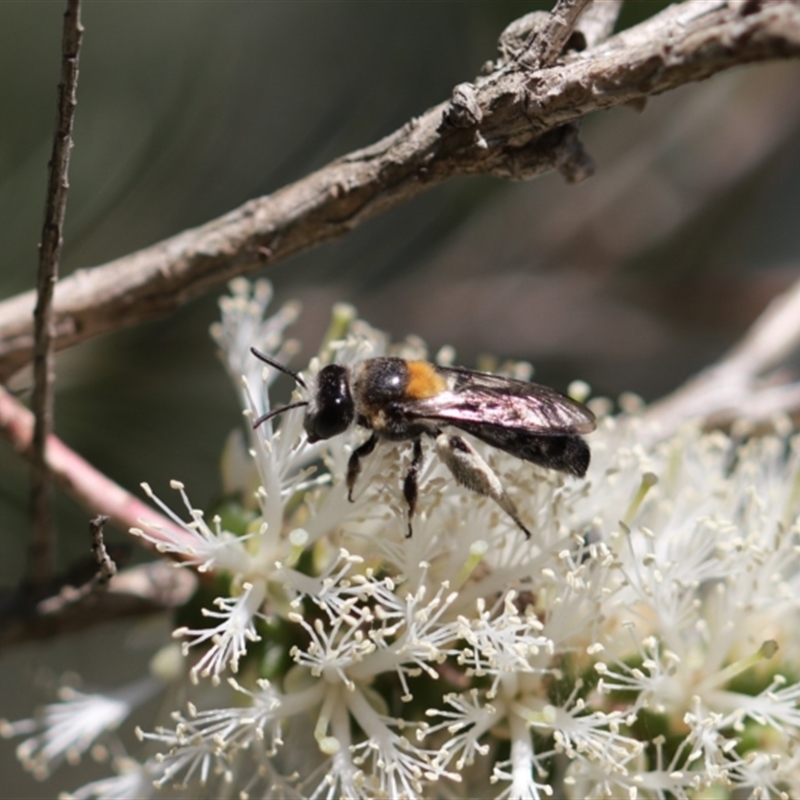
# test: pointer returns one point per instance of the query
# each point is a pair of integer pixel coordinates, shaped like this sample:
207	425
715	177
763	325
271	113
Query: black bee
402	400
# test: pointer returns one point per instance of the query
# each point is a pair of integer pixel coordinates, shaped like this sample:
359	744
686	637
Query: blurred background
633	280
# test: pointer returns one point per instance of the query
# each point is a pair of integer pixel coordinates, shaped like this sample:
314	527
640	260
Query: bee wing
491	400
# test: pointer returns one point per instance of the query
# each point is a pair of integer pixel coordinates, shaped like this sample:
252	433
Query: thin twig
521	133
42	551
93	490
546	46
106	569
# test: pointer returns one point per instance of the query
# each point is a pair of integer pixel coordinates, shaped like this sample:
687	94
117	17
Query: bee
401	400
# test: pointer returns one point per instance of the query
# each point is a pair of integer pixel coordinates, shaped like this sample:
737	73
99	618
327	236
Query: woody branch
515	122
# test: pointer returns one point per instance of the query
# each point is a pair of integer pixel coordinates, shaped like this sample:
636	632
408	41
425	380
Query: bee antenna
285	370
275	411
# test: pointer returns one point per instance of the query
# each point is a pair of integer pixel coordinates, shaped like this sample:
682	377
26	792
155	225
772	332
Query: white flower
197	544
68	729
635	646
229	637
133	780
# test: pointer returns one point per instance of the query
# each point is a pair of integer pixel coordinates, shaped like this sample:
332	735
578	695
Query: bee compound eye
333	410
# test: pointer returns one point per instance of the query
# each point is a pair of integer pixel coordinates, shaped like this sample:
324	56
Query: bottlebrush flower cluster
642	643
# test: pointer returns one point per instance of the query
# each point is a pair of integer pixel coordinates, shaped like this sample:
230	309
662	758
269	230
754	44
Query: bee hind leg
472	472
411	483
354	464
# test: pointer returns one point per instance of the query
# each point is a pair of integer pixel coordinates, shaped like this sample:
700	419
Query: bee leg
411	483
354	464
472	472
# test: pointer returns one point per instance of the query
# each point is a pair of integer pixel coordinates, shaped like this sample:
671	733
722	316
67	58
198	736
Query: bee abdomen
566	453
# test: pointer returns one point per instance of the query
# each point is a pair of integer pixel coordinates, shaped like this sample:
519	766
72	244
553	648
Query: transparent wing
479	398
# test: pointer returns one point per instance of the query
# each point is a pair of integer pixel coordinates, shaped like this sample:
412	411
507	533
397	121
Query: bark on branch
520	125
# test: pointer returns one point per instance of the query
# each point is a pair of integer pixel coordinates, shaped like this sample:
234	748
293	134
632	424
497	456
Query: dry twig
69	595
523	130
548	44
42	552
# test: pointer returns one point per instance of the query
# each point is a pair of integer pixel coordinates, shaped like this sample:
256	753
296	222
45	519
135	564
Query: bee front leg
472	472
354	464
411	483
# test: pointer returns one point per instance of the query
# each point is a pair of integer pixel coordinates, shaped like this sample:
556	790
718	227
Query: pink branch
93	490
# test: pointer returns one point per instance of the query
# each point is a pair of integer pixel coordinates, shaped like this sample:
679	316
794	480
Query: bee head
331	409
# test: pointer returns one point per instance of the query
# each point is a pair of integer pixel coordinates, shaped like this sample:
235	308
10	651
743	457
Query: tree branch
37	610
93	490
42	550
522	129
139	591
739	385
